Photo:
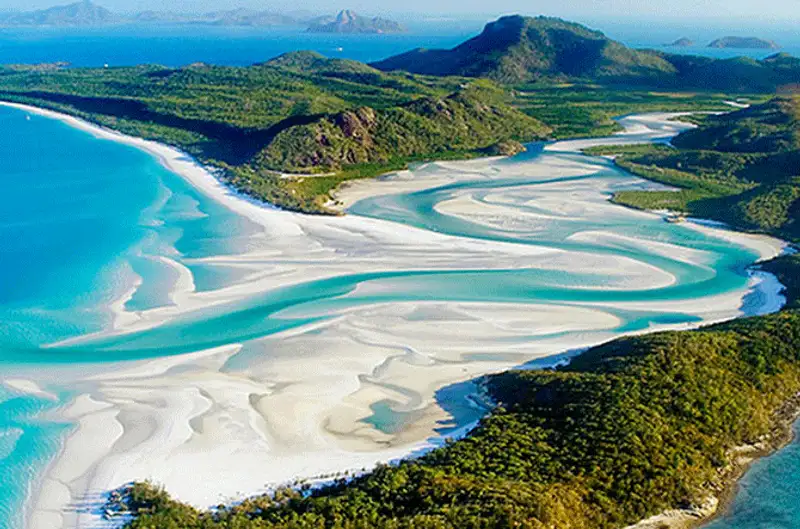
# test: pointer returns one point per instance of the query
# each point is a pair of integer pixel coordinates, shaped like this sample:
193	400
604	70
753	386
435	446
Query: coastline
96	419
723	493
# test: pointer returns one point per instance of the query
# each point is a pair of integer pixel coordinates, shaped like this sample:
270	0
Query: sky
744	10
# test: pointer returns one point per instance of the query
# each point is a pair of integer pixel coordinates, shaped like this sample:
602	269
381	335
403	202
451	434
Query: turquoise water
768	496
80	219
84	221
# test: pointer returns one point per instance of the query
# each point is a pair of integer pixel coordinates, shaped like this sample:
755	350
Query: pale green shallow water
81	218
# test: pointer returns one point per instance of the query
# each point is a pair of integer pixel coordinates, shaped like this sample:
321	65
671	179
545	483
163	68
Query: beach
362	381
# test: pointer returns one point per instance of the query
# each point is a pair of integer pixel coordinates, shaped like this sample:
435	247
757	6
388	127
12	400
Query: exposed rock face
358	124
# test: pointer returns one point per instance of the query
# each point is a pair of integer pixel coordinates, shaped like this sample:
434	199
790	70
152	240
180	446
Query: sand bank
374	381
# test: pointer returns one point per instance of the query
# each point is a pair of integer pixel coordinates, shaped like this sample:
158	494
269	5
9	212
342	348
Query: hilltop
517	49
347	21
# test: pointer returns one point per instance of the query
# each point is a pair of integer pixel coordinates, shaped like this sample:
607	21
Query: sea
84	220
181	45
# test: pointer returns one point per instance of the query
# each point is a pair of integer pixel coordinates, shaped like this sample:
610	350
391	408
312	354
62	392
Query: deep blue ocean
180	45
81	218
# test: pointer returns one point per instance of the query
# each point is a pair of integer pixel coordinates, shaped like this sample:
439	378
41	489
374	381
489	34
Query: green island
627	430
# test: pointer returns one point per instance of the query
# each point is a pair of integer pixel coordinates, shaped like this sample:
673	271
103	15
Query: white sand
28	387
232	421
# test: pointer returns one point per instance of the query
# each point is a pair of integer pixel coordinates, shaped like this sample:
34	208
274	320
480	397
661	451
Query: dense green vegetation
742	168
303	113
517	49
627	430
299	112
588	109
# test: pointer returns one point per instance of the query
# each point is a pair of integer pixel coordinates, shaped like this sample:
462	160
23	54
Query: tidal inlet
155	324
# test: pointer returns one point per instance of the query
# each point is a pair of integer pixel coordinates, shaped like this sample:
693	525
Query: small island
350	22
744	43
683	42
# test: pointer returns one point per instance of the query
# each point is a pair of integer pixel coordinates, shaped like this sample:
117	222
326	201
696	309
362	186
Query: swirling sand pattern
318	344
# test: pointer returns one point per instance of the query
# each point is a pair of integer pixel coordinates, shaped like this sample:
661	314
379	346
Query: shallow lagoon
89	225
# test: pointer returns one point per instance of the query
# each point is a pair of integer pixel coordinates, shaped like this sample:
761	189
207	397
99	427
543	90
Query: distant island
233	17
350	22
744	43
83	13
88	14
683	42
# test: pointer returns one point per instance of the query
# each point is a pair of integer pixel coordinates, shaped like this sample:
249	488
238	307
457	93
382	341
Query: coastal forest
626	430
742	168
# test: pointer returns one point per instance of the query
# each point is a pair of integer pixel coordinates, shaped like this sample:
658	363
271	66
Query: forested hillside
517	49
298	112
304	113
742	168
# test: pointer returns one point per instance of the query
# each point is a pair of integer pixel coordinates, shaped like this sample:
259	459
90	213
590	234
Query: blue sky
745	10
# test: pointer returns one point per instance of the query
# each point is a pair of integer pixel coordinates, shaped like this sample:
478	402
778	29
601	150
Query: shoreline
202	179
723	493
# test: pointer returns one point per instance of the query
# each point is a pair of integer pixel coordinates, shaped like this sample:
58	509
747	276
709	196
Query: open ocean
181	45
80	217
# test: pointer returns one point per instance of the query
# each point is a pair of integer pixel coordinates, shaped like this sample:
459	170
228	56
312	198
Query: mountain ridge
87	13
82	13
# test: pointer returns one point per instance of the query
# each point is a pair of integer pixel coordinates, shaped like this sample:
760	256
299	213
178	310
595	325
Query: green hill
769	128
299	112
472	119
516	49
